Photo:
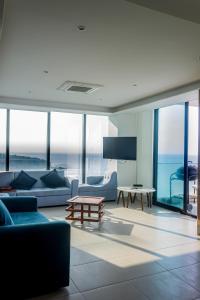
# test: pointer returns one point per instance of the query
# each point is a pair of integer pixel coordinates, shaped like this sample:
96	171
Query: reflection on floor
138	255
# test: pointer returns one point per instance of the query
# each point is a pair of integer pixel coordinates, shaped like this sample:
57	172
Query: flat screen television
122	148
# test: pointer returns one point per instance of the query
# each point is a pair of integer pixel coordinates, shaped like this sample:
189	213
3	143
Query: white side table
134	191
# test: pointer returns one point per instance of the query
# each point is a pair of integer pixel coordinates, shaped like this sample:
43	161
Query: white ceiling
124	44
184	9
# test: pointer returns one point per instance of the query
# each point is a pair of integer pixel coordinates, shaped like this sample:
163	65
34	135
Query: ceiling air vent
81	87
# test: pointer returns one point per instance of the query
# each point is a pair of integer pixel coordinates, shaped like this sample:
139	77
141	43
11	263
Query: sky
171	130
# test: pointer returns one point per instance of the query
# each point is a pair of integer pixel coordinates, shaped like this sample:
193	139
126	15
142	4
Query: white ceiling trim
156	99
43	105
150	102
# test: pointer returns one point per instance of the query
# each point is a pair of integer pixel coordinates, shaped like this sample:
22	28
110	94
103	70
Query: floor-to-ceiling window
3	113
66	143
28	140
41	140
170	156
96	128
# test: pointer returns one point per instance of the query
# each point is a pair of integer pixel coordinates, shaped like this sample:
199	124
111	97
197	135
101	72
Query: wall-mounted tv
122	148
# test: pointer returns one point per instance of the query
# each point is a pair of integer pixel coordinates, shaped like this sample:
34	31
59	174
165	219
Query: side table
141	191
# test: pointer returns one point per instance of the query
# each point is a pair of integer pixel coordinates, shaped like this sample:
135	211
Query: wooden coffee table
81	208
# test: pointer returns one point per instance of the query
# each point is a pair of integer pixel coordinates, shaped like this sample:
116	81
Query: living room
79	220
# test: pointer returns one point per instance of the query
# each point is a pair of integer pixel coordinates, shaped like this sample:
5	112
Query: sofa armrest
74	187
20	203
38	257
94	180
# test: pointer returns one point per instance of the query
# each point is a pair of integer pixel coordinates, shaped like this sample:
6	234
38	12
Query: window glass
28	140
66	143
2	139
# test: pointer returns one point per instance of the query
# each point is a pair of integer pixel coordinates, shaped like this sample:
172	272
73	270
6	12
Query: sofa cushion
23	181
91	188
6	178
5	217
28	218
40	192
94	179
53	180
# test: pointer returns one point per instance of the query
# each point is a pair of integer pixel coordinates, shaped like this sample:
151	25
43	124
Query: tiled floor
133	255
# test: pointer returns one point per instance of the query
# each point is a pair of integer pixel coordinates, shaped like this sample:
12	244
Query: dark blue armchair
35	253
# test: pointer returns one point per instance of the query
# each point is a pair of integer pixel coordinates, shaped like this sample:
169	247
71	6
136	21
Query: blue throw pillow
53	180
5	218
23	181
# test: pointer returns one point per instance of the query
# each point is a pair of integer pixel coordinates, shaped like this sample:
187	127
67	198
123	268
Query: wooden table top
86	200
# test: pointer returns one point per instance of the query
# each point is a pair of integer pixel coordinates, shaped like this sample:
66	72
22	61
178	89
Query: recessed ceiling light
81	27
29	92
46	71
134	84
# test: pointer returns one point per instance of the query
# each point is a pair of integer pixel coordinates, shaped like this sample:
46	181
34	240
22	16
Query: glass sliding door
170	156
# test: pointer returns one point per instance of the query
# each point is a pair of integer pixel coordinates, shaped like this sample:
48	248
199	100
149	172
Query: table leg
148	200
82	213
89	210
142	205
123	198
99	213
72	210
128	197
120	193
134	197
131	198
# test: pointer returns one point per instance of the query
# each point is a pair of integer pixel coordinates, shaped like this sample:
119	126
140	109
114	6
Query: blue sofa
100	186
35	253
46	196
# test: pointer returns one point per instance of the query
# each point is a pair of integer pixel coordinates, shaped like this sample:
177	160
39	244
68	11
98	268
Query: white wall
138	124
145	149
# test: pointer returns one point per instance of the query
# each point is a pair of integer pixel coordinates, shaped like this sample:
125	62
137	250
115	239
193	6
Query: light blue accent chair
100	186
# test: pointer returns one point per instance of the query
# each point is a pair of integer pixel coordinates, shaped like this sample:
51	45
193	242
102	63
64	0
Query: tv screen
123	148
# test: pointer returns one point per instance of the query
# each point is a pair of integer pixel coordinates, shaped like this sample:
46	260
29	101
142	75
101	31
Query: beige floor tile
73	297
60	293
125	291
165	286
190	275
179	256
54	296
110	250
131	244
102	273
80	256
